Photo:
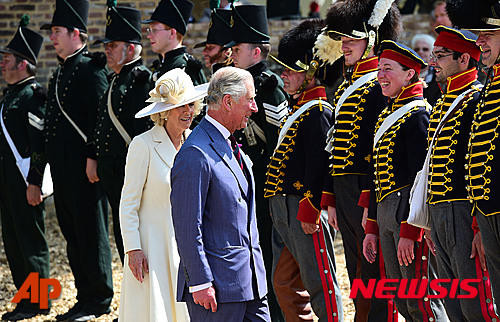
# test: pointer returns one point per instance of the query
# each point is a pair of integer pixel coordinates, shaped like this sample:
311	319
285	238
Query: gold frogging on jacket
383	152
349	116
484	131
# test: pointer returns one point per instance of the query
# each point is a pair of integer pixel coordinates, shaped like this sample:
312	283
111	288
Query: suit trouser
349	215
313	253
265	227
23	229
452	235
390	213
111	173
490	235
81	209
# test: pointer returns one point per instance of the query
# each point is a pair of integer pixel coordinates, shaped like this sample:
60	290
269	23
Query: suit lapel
222	148
164	148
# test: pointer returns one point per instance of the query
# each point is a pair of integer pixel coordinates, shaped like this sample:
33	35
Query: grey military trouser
390	213
490	235
452	235
313	253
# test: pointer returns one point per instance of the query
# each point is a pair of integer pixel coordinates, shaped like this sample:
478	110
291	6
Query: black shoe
74	310
21	313
83	315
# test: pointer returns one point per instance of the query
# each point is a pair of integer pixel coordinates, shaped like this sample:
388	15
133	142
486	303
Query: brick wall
41	12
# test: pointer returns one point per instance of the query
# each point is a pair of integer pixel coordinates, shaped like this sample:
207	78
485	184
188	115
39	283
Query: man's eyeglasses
439	56
152	31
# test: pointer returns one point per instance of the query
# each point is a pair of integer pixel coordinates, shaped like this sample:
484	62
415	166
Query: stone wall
41	12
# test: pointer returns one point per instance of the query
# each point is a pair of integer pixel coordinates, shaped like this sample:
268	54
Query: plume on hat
382	16
25	20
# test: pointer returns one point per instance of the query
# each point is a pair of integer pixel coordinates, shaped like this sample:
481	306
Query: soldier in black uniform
167	28
455	58
126	95
71	113
21	207
482	158
219	34
398	154
353	28
302	240
250	46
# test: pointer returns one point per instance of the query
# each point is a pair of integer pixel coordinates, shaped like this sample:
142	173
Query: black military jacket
179	58
446	167
352	134
299	165
129	92
81	80
482	159
272	108
23	115
399	154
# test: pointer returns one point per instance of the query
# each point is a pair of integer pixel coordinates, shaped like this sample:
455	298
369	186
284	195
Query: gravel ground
61	271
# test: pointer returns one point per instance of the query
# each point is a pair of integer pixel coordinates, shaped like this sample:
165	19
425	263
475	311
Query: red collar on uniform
314	93
365	66
460	81
496	71
412	90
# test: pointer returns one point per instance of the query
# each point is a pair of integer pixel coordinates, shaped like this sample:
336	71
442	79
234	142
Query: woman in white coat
151	263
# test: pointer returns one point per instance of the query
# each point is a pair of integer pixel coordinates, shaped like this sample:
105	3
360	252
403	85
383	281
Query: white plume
379	12
327	49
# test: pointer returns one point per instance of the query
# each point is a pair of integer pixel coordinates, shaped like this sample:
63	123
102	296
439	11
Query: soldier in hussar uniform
482	159
399	149
167	28
356	28
302	242
215	54
71	113
455	59
126	95
250	47
21	206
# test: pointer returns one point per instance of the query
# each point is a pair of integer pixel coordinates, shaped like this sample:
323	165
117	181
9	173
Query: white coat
146	223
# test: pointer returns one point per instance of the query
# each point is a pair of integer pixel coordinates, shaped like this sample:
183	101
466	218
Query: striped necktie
236	150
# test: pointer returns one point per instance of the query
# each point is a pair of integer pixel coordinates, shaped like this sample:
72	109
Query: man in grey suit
221	275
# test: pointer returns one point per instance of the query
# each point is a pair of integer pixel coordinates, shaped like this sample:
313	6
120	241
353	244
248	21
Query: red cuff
411	232
475	226
364	199
307	212
327	199
371	227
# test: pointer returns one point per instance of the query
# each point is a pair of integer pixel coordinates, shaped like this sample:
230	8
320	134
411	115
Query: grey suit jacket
213	209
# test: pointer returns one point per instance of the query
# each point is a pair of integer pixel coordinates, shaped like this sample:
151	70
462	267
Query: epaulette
39	91
268	82
97	58
141	76
194	63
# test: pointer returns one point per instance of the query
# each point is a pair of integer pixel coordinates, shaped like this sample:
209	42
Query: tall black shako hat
248	25
474	15
26	42
296	52
375	20
402	54
71	14
122	24
219	29
173	13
